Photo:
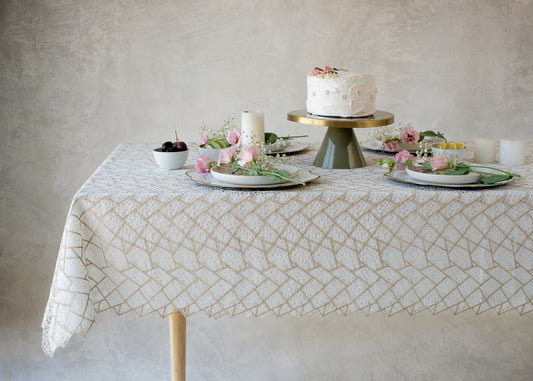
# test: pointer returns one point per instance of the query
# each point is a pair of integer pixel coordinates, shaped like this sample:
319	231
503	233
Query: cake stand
340	148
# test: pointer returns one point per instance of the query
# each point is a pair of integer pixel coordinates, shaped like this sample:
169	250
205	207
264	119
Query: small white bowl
170	160
451	154
212	153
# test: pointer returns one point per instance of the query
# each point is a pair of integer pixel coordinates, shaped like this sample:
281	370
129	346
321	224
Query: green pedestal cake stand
340	148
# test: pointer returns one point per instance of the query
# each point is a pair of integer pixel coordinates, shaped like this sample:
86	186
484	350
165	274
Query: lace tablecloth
138	238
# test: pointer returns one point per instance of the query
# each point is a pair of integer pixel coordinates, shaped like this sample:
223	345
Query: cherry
180	146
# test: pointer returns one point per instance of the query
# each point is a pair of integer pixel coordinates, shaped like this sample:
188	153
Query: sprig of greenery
218	133
432	134
271	138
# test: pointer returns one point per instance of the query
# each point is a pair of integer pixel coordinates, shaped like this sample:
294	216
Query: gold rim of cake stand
379	119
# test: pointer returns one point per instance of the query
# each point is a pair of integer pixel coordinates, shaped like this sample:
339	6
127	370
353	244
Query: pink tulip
391	145
402	157
225	155
203	164
439	162
247	155
419	162
205	139
409	135
234	137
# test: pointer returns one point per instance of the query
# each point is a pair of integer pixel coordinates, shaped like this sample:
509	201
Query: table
138	238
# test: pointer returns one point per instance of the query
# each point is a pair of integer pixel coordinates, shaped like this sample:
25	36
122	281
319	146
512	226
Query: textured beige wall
79	77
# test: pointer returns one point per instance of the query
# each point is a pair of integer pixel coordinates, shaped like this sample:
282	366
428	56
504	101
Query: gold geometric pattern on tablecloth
141	239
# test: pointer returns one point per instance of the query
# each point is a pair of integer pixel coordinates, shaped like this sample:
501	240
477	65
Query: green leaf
463	171
493	179
270	138
430	133
273	177
426	166
283	173
462	166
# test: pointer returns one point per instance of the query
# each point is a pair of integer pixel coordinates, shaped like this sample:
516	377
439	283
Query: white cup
484	150
512	152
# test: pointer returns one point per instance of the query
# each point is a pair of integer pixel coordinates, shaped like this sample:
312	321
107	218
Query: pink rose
225	155
402	157
247	155
234	137
205	139
391	145
439	162
409	135
203	164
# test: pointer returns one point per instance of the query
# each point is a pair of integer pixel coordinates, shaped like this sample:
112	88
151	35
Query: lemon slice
459	145
442	145
451	146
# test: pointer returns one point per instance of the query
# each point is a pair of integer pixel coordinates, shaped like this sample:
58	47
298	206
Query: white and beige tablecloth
138	238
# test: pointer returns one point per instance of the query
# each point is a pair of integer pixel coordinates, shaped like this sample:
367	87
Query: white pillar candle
484	150
512	152
252	127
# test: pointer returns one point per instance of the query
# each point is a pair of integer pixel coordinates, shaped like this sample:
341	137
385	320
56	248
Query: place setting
443	165
246	158
251	168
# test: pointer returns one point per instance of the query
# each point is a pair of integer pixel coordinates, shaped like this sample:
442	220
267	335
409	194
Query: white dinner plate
470	178
278	146
209	180
294	147
223	173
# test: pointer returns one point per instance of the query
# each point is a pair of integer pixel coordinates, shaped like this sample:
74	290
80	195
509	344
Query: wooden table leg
177	345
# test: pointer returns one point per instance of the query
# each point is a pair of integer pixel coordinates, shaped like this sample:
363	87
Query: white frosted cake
337	92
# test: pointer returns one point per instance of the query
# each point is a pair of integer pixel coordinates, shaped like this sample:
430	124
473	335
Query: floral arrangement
391	136
443	165
225	136
252	160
